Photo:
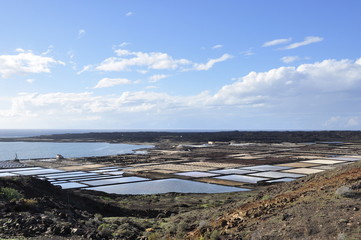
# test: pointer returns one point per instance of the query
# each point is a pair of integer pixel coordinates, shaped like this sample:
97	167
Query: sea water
18	133
31	150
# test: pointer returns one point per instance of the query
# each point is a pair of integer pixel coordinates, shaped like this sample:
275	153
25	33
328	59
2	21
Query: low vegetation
10	193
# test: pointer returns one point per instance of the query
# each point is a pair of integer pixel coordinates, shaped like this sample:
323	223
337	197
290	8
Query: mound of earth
34	208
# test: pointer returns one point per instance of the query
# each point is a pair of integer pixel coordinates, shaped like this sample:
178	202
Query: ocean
32	150
15	133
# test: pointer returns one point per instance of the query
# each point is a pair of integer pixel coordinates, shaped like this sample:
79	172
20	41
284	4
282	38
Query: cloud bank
144	61
306	41
276	42
110	82
25	62
319	89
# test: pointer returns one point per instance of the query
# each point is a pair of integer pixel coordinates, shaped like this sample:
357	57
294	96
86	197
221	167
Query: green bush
10	194
214	235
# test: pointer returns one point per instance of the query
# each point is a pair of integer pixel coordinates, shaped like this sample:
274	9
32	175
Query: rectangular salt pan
71	176
90	178
352	159
304	170
19	169
114	181
242	178
265	168
105	170
196	174
165	186
116	173
232	171
57	182
7	175
38	172
324	161
298	164
70	185
109	167
65	174
325	167
277	175
281	180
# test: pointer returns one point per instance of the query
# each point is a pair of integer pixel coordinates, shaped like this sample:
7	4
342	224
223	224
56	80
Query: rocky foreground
321	206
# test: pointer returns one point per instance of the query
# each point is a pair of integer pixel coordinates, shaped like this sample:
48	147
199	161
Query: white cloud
254	89
33	105
306	41
25	62
81	33
20	50
123	44
71	54
249	52
289	59
49	50
157	77
128	14
110	82
210	63
318	91
217	46
142	62
152	60
321	77
87	105
84	69
353	121
332	121
151	87
30	80
337	122
276	42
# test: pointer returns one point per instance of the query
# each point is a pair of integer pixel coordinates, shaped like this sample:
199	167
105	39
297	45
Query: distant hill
204	137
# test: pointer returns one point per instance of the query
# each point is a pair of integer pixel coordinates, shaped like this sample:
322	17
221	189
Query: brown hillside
322	206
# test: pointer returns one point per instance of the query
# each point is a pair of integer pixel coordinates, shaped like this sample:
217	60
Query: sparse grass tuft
10	194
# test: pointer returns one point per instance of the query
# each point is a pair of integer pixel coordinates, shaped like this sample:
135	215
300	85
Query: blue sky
141	64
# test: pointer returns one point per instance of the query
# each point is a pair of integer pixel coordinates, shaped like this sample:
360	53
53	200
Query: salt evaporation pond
166	186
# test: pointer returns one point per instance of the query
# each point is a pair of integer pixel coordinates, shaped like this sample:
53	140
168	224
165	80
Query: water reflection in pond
165	186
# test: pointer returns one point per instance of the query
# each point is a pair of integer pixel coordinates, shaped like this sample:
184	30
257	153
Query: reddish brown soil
323	206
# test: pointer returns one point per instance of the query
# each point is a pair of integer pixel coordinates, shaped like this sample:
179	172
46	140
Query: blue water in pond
165	186
31	150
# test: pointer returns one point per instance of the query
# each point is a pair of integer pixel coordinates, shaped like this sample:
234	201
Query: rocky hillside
322	206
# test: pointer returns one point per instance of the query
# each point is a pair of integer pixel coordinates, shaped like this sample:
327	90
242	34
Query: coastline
162	137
